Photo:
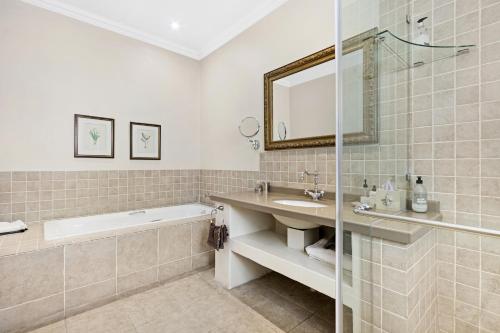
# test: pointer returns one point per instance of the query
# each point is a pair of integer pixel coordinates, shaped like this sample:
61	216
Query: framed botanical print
145	141
94	137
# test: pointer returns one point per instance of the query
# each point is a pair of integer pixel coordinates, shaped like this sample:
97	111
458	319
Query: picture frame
94	137
145	141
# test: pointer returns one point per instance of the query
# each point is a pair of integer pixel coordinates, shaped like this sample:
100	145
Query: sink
297	223
300	203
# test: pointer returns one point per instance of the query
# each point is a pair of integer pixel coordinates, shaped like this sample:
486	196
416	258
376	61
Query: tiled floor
196	304
291	306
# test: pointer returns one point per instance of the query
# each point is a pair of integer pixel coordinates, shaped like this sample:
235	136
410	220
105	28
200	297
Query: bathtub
59	229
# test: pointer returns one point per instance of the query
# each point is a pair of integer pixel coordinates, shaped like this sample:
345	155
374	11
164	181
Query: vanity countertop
389	230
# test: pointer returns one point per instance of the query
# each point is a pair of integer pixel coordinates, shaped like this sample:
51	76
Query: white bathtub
78	226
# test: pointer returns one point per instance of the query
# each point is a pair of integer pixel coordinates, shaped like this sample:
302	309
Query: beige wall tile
467	294
490	205
490	302
489	91
203	260
395	257
489	129
173	269
90	296
90	262
467	276
490	245
489	33
29	276
175	243
392	323
200	236
467	313
394	302
490	15
490	321
490	186
137	251
127	283
467	95
490	168
490	263
466	6
490	283
32	314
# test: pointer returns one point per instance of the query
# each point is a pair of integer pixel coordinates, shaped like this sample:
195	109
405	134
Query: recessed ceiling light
175	25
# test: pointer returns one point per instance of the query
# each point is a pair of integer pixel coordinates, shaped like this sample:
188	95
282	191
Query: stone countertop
400	232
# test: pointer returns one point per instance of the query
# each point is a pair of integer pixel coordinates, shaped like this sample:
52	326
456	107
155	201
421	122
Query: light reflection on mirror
282	130
305	101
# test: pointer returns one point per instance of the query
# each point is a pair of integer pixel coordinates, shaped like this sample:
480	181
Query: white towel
9	227
318	252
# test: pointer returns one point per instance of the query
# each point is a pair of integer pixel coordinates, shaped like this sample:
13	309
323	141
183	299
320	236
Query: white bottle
419	202
422	36
372	197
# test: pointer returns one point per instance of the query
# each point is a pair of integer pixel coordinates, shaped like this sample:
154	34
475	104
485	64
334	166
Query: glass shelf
420	54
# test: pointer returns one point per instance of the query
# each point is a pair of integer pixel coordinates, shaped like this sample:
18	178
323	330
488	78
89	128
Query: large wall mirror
299	98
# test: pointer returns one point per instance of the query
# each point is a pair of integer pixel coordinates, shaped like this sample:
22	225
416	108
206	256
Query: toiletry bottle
422	35
366	192
419	202
373	197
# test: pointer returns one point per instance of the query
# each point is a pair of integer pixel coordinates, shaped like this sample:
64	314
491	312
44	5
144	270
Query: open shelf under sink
269	249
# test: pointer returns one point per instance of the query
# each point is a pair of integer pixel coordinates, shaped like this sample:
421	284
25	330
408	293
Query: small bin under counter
379	248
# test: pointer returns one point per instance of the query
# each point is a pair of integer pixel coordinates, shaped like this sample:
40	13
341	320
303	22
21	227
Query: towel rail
430	223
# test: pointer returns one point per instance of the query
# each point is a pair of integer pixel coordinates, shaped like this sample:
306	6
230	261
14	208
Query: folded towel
11	227
318	252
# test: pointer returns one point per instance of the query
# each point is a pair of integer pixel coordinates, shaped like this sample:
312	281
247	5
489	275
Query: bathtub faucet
137	212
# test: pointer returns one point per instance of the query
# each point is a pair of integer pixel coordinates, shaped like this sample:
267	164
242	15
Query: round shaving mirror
250	127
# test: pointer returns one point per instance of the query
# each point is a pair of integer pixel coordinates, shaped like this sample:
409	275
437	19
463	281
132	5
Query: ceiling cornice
245	23
101	22
122	29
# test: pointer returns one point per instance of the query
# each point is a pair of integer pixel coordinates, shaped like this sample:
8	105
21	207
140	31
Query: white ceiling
205	25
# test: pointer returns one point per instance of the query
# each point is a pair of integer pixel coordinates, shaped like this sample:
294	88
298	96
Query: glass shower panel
369	307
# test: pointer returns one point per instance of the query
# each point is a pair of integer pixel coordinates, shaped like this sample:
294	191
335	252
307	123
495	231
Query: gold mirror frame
365	41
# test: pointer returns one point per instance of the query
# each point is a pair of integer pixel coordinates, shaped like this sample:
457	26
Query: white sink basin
300	203
297	223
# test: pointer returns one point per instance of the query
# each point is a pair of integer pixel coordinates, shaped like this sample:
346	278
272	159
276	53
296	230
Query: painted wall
232	76
53	67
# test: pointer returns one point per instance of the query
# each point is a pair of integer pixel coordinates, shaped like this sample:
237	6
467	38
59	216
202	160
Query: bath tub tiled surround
398	285
226	181
45	285
40	196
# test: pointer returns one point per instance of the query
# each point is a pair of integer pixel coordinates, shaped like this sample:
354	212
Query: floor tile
197	304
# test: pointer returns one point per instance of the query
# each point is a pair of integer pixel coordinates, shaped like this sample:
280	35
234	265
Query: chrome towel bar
430	223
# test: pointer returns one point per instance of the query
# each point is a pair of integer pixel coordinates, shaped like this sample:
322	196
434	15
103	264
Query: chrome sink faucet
315	194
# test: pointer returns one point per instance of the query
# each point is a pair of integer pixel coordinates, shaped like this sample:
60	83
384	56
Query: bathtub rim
144	226
33	239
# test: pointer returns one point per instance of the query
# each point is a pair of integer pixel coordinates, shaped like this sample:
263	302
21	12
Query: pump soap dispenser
422	36
419	202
